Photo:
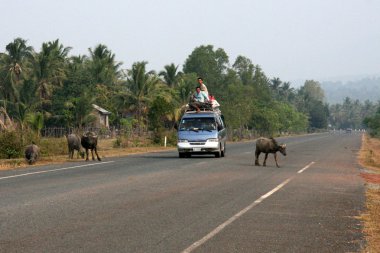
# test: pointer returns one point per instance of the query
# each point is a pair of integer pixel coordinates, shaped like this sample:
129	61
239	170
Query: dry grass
369	157
105	149
371	219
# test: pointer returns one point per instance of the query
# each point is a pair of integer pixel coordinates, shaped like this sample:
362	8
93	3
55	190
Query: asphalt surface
157	202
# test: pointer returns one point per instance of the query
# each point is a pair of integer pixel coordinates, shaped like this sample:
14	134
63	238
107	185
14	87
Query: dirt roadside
105	150
369	158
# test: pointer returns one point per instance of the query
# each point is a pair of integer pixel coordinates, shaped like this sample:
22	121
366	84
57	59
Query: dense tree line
352	113
356	115
48	88
373	123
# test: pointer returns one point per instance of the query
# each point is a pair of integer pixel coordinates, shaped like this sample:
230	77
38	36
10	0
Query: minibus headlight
213	140
182	141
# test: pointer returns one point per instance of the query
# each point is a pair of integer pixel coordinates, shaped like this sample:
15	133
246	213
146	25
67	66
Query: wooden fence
103	133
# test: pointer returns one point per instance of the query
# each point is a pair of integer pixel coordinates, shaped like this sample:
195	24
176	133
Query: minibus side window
219	123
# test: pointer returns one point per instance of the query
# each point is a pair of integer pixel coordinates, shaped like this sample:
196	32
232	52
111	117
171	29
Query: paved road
157	202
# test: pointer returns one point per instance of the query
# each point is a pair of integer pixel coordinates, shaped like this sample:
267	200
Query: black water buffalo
32	153
74	143
89	140
265	145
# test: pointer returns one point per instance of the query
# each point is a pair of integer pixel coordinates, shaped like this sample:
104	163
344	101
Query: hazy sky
289	39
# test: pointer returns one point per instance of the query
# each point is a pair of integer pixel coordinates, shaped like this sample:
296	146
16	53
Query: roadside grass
369	158
55	151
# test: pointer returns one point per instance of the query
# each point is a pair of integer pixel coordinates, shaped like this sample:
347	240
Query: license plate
196	149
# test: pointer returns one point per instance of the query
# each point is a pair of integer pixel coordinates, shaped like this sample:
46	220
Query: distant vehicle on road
348	130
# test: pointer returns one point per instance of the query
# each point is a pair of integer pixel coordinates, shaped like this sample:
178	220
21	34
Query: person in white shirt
202	85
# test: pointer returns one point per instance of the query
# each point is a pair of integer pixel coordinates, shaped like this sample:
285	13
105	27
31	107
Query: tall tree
103	66
49	68
170	74
208	63
142	87
318	114
245	69
275	85
18	54
351	113
107	78
13	65
261	84
312	90
185	87
373	123
311	102
239	96
287	93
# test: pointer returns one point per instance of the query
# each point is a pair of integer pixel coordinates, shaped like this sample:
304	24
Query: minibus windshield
197	124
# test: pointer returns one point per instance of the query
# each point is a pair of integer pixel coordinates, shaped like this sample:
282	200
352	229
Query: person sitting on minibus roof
198	99
213	101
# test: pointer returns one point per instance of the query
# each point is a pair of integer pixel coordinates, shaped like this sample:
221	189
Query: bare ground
369	158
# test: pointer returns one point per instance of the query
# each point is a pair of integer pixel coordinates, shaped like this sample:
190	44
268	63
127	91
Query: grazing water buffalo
265	145
89	140
74	143
32	153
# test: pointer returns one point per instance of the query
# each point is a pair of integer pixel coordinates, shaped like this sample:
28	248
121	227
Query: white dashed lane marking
219	228
60	169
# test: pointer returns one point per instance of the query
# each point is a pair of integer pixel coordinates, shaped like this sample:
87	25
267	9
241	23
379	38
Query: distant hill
363	89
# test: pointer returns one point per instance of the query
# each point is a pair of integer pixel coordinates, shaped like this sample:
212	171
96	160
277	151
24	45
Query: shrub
121	142
53	146
159	137
11	145
117	142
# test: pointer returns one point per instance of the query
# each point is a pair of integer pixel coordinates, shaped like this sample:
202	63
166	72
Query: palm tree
142	87
170	75
106	75
76	62
82	109
183	92
275	84
287	93
12	66
103	66
49	68
36	122
18	52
